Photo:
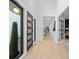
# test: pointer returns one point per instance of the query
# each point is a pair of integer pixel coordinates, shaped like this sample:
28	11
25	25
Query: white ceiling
50	8
46	7
40	8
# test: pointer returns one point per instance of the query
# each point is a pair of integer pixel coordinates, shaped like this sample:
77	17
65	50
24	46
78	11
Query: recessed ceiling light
16	10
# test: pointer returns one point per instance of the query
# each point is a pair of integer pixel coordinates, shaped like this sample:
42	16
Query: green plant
13	47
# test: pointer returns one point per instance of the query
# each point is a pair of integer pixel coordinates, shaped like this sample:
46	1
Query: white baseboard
22	57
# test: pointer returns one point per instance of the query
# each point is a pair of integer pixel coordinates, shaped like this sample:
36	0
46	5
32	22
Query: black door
34	29
15	30
29	30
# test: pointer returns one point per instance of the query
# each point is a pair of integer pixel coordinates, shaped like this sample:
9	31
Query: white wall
61	6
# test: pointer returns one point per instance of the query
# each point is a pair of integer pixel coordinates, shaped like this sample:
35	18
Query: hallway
34	19
47	49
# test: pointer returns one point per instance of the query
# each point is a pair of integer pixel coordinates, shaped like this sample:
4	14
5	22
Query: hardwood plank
48	49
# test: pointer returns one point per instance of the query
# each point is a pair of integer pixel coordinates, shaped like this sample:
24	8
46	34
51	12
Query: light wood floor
48	49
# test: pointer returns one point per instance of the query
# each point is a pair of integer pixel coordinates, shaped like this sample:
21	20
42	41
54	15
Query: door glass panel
15	18
15	31
29	18
29	37
29	44
29	31
29	25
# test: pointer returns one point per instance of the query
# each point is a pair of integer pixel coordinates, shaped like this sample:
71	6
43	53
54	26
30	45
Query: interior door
34	29
15	23
29	30
62	28
67	29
